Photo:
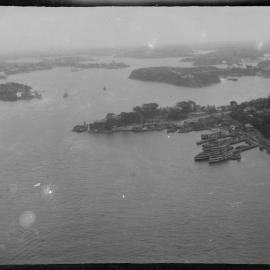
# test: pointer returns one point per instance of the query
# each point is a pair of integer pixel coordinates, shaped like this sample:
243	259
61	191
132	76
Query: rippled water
74	198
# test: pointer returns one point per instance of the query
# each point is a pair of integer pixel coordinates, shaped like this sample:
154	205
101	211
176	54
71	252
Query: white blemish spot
152	44
124	196
235	204
203	35
47	191
37	185
259	45
27	219
13	188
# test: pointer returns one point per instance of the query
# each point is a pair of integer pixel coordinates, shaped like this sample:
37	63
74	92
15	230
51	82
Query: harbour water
124	197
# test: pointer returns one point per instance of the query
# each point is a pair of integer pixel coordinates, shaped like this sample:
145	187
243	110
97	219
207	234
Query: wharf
245	148
217	147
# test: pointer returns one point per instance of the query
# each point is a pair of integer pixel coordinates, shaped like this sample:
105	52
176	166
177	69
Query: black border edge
154	3
96	3
149	266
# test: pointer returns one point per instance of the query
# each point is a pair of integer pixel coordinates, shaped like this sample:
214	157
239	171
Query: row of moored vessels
217	151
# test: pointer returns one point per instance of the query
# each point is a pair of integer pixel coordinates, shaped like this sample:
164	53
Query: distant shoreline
11	68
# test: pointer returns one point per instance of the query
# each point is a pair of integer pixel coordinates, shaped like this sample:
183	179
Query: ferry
214	136
219	158
236	156
80	128
202	156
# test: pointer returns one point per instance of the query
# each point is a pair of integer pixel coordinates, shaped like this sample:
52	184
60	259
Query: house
197	113
249	127
3	75
248	109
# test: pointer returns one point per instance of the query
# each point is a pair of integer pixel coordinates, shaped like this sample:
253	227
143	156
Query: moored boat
202	156
235	156
219	158
233	79
171	130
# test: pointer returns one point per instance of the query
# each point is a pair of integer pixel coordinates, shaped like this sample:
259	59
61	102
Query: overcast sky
71	28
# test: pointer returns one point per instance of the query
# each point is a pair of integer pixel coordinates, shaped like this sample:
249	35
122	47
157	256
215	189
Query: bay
124	197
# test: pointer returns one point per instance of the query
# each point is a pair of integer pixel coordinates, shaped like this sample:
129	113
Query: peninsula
247	124
150	117
15	91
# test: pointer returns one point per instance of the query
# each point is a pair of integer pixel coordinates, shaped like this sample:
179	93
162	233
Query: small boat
236	156
65	95
108	131
171	130
80	128
137	129
205	136
233	79
104	88
217	158
38	96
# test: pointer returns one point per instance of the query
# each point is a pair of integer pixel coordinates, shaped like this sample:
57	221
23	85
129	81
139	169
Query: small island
193	76
16	91
189	77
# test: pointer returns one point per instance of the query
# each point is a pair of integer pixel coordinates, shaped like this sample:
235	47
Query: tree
110	115
186	106
233	103
150	106
176	114
211	109
149	110
129	118
137	109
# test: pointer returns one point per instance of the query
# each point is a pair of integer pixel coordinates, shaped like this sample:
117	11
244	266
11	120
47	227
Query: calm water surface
124	197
